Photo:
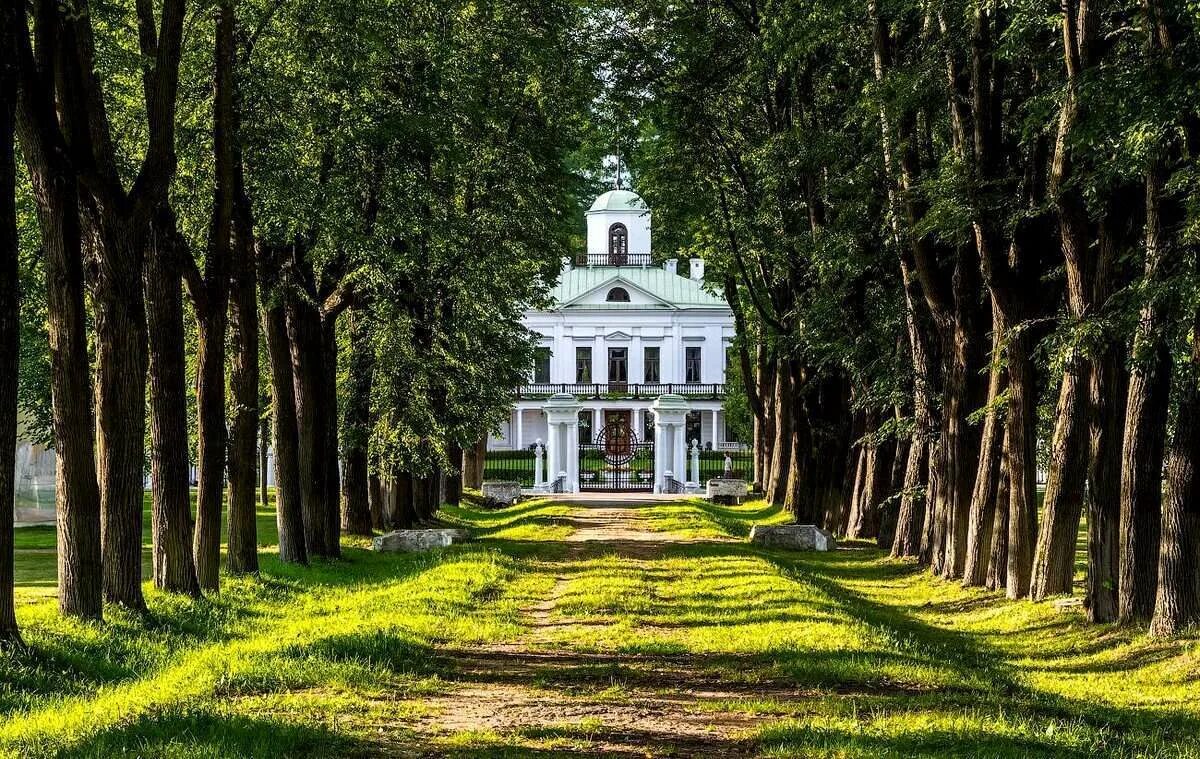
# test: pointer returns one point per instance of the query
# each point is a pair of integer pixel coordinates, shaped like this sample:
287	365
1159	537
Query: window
650	373
647	426
541	365
618	365
692	427
583	365
585	427
617	295
618	244
692	365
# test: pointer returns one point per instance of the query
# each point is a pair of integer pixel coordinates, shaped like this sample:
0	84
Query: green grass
846	654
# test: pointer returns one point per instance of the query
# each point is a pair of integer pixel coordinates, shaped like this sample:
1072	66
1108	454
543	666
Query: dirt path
538	698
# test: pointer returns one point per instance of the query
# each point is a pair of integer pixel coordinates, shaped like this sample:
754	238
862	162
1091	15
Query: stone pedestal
417	540
726	490
799	537
500	493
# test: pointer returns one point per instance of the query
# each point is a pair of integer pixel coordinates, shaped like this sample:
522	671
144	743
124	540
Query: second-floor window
618	364
583	365
650	373
692	365
541	365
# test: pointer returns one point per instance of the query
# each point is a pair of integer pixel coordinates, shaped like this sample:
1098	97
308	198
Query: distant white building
630	368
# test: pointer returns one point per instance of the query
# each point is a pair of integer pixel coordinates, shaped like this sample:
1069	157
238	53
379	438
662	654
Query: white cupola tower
618	229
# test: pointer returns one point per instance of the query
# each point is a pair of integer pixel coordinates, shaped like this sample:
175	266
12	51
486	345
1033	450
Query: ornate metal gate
616	461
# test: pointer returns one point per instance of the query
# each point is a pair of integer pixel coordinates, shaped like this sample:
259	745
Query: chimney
697	266
671	265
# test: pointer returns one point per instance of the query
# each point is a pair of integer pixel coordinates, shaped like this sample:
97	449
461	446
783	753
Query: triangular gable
615	281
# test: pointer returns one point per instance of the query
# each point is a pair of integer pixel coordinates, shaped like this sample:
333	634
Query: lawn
841	654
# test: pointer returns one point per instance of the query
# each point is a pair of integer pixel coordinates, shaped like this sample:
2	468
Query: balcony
621	390
613	259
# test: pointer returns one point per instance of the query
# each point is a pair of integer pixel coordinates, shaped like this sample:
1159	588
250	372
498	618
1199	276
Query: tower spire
617	181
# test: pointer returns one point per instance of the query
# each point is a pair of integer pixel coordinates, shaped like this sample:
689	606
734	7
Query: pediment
595	296
617	336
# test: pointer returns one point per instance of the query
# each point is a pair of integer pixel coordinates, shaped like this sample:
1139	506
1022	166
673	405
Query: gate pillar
670	417
562	440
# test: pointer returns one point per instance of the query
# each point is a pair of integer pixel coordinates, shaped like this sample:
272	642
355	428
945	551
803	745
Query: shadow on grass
201	732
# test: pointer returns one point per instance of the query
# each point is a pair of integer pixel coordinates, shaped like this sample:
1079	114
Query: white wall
637	222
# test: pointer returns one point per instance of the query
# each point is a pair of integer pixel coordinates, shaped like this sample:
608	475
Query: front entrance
616	460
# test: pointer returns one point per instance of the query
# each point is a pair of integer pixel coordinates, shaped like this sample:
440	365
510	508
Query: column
539	478
670	412
597	422
716	439
552	451
562	416
520	433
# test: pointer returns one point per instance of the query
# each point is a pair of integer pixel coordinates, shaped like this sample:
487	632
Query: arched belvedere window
618	244
617	295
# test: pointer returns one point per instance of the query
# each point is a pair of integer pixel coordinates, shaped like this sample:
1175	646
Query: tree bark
473	464
1062	508
997	571
304	333
987	473
243	430
1145	433
121	405
171	506
1020	462
781	449
329	411
454	476
356	506
10	319
289	515
1177	602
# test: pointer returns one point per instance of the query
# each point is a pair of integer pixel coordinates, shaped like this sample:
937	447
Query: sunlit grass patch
696	518
538	519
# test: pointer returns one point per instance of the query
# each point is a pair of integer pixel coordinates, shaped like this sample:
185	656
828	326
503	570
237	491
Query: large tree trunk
329	410
1145	433
1178	600
243	430
454	476
781	449
997	571
171	507
289	515
1020	463
473	464
211	439
983	507
304	332
77	494
356	428
10	318
1054	559
121	405
1107	396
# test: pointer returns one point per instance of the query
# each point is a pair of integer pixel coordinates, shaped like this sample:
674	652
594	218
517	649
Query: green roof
619	200
675	291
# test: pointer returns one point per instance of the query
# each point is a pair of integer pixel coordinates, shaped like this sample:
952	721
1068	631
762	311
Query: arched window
618	244
617	295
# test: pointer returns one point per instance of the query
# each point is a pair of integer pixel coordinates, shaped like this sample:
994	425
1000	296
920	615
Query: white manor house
628	386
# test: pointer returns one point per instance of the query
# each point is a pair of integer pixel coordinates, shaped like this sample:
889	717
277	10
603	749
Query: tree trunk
375	497
1054	559
1145	434
121	406
983	508
10	320
1107	401
781	449
356	428
454	476
289	516
77	494
912	502
473	464
304	333
171	507
329	411
1020	458
243	431
1178	600
211	437
997	571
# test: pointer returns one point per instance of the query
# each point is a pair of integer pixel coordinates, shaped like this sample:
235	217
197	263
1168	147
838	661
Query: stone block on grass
405	541
501	493
798	537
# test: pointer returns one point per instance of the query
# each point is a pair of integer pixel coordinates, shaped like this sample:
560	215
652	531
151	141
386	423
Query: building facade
624	340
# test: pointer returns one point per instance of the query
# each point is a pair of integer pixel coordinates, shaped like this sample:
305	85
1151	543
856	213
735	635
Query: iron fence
712	464
510	466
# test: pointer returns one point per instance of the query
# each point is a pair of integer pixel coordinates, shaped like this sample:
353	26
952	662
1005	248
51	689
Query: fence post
537	463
